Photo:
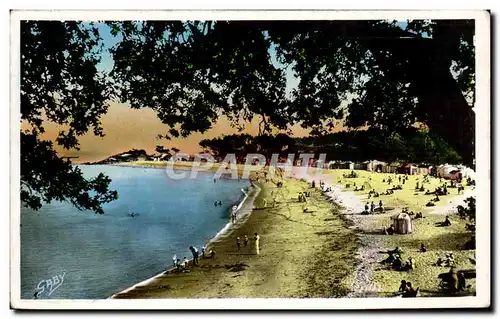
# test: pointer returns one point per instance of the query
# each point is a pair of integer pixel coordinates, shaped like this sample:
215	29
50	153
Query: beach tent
402	223
455	175
348	165
445	171
466	171
392	167
359	166
375	166
332	164
410	169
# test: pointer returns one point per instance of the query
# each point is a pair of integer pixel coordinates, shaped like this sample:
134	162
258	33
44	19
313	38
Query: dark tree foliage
468	212
243	144
410	145
192	72
60	84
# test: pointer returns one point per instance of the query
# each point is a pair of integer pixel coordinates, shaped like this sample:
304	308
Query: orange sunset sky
127	128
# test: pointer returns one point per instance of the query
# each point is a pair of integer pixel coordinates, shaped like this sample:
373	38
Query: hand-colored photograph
274	158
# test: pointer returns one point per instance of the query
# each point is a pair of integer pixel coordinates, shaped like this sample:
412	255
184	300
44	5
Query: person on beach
372	207
422	248
450	262
410	264
245	241
238	243
174	258
380	205
398	263
462	285
389	260
446	222
178	264
194	251
257	243
233	215
184	263
203	249
366	207
410	292
390	230
403	287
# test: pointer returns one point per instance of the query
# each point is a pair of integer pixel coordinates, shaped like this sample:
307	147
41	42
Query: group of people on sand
256	239
352	174
395	261
407	291
183	266
454	281
322	185
372	207
373	193
302	196
447	261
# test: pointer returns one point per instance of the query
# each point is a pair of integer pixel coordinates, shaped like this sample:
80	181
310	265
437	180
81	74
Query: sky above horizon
127	128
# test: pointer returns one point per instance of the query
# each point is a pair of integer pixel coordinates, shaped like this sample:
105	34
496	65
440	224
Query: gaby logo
49	285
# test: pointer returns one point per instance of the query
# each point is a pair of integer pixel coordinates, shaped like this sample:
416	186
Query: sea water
72	254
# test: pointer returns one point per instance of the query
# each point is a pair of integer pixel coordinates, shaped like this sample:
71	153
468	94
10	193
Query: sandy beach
370	278
333	251
302	254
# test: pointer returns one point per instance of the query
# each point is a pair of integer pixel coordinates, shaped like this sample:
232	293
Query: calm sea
99	255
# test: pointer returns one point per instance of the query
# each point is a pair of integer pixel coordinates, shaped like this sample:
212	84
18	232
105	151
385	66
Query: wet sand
302	254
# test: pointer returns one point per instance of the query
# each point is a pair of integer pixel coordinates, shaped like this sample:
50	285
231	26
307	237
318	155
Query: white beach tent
448	169
402	223
444	170
467	171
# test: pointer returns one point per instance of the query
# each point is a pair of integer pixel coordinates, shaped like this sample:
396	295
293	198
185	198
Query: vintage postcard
278	159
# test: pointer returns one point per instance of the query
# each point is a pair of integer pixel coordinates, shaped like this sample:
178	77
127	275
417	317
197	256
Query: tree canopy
60	84
367	73
409	145
192	72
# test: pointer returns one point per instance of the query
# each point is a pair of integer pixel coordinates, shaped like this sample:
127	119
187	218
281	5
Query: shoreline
301	256
364	278
185	166
253	191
